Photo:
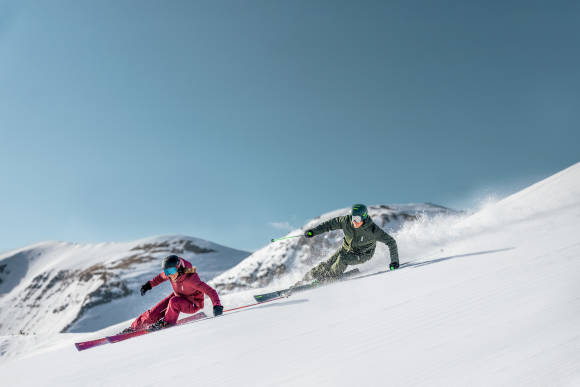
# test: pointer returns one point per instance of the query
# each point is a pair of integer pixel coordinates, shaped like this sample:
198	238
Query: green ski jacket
362	240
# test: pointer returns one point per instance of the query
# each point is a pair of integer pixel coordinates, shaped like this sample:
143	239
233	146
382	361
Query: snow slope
491	299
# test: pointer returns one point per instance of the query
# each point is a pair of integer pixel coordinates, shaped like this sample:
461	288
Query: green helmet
360	210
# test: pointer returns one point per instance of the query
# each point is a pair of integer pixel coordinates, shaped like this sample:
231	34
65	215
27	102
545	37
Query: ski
295	289
349	275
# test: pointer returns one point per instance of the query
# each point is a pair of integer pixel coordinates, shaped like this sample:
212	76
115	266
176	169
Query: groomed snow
493	299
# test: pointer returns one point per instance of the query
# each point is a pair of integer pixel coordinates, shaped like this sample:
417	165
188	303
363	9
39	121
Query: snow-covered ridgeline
56	286
287	260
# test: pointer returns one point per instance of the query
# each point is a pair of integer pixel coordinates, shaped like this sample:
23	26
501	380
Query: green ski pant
337	264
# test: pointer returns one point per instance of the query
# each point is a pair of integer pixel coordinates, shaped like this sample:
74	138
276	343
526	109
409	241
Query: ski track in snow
493	299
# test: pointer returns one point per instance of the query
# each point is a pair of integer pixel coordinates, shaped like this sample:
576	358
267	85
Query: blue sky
125	119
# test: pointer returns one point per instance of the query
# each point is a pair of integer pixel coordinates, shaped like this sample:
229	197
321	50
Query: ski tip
83	345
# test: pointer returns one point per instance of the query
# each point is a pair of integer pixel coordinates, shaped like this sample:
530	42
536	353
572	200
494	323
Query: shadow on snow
417	263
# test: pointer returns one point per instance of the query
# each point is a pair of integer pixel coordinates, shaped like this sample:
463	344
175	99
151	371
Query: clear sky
226	120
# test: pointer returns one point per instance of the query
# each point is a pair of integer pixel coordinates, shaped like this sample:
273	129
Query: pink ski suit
187	297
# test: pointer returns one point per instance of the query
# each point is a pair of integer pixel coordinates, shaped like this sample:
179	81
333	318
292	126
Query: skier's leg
340	265
320	271
152	315
344	260
177	305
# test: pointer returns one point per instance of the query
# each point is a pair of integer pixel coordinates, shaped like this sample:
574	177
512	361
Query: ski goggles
357	218
170	271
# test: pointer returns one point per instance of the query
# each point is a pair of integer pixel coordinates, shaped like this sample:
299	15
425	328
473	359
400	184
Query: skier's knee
176	303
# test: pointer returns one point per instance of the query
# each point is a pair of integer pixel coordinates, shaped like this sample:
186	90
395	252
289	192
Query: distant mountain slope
293	257
58	286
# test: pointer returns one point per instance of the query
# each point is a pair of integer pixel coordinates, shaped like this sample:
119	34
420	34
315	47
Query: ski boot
158	325
309	281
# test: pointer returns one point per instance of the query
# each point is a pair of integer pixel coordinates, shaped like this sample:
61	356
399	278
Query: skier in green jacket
360	240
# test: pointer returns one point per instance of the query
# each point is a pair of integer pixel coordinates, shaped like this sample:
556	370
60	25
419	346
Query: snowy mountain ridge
51	287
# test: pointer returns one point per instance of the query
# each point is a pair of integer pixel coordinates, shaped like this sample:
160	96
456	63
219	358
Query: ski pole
279	239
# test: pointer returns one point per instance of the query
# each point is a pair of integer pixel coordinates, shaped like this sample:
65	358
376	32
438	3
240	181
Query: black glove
394	265
145	288
308	234
218	310
181	270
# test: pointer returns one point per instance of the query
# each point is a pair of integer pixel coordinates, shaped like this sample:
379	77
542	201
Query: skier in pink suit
187	297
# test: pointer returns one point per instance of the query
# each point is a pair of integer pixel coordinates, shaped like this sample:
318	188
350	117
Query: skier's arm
211	293
382	236
332	224
159	278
